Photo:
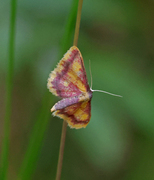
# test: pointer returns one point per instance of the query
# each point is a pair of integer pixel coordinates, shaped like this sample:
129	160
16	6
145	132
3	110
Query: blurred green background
118	38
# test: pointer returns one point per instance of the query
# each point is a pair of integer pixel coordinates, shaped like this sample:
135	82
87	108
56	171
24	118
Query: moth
69	81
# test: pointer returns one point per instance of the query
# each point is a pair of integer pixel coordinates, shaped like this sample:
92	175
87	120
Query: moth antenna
106	92
90	74
100	90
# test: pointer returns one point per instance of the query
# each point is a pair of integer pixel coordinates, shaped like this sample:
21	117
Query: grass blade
36	139
9	86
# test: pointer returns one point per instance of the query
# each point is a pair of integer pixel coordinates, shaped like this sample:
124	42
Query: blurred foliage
117	37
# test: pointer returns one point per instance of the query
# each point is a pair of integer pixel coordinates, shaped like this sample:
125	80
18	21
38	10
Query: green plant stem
36	140
64	128
9	87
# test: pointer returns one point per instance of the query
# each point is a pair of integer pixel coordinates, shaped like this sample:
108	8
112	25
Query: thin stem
78	19
61	152
9	87
62	143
